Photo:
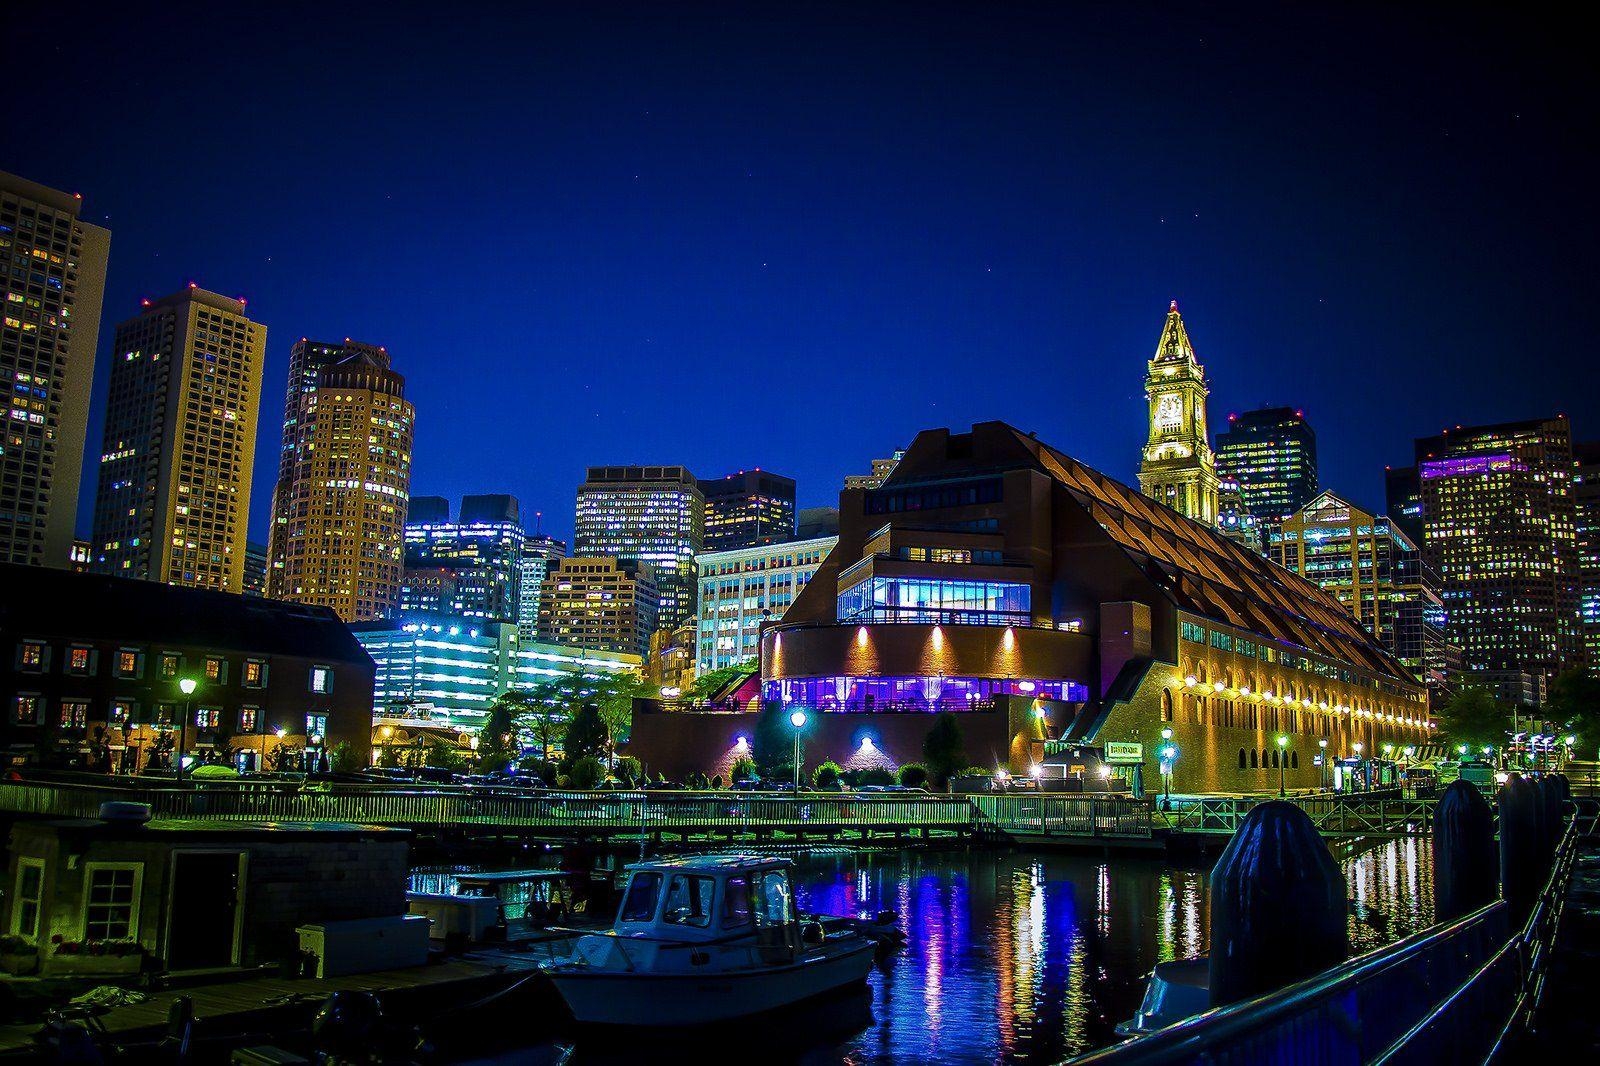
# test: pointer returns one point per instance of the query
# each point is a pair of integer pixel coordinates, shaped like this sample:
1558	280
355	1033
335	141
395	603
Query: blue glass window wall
920	694
932	601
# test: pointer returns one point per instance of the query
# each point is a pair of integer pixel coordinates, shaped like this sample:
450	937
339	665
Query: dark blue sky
794	236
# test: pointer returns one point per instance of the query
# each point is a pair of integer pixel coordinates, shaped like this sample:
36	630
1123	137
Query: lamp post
1283	751
186	685
1356	747
127	741
1169	752
798	720
1322	777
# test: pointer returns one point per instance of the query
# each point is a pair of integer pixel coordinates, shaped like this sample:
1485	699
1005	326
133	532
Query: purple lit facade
1469	464
868	695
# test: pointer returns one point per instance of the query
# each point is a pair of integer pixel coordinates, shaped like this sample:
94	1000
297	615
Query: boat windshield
738	905
640	903
688	900
775	903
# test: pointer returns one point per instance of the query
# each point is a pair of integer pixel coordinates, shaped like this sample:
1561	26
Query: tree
499	742
586	772
707	685
826	776
913	775
1472	716
587	736
943	750
1574	708
547	709
445	756
343	758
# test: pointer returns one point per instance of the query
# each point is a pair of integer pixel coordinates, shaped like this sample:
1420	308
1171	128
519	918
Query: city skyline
1063	279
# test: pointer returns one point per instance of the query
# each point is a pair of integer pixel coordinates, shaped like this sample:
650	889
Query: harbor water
1011	957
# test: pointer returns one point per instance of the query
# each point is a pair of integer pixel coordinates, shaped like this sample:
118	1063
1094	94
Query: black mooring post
1465	865
1278	905
1519	846
1553	794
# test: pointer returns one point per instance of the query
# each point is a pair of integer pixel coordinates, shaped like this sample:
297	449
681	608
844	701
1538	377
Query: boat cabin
531	896
708	897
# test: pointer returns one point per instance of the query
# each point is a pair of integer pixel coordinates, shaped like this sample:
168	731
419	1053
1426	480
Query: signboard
1122	751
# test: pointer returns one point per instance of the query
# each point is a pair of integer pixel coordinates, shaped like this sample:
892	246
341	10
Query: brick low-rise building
89	662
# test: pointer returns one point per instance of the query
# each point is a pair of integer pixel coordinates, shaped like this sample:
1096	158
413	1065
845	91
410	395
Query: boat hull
667	1000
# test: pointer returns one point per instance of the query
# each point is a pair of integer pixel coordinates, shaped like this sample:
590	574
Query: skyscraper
56	267
180	437
741	588
482	554
654	514
339	512
1272	454
1402	495
1500	530
599	603
748	509
1586	497
1379	575
1178	469
539	554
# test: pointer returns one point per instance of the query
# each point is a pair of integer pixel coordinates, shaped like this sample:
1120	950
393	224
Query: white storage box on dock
365	945
471	916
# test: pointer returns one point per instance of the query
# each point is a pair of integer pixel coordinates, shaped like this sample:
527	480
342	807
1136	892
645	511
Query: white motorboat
706	939
1177	990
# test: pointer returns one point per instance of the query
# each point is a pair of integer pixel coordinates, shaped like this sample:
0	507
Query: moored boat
706	939
1177	990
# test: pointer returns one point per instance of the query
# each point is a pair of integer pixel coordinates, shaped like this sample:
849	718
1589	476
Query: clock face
1169	411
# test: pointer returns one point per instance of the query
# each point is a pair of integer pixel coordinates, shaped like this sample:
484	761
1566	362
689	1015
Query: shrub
914	775
628	770
827	775
872	775
744	770
586	772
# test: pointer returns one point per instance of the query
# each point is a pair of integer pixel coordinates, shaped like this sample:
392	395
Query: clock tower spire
1178	469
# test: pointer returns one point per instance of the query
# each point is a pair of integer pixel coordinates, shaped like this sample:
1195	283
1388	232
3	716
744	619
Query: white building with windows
742	587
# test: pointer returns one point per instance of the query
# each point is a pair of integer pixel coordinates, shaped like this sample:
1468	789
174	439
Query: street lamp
1323	776
186	685
1283	747
798	720
1169	753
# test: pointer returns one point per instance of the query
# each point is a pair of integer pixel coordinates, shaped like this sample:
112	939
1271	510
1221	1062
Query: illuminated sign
1122	751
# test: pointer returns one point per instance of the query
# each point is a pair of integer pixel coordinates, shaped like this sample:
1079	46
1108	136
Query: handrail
1329	1004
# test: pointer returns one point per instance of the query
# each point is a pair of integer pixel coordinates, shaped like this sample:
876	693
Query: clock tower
1178	469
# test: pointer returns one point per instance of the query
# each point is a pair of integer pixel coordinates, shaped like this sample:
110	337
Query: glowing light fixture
798	719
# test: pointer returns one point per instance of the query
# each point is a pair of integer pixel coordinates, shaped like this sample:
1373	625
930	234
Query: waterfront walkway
684	817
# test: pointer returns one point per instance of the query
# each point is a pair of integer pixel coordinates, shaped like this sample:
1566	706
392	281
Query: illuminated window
255	673
216	669
30	890
208	717
248	717
322	679
111	900
74	714
129	662
25	708
80	660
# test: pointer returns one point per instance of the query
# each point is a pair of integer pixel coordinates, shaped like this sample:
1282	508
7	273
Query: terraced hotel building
1048	604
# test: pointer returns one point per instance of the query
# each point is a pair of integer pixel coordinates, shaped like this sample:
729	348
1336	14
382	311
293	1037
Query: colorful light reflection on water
1013	957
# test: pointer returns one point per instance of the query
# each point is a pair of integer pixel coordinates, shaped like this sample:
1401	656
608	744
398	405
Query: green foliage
943	749
772	738
587	736
871	775
827	775
546	771
743	770
1574	705
586	772
913	775
711	682
388	756
342	758
628	770
1474	717
445	756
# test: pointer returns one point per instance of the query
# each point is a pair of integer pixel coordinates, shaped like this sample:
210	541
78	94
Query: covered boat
706	939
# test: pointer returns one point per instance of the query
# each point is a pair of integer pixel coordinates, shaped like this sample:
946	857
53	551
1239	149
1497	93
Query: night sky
793	237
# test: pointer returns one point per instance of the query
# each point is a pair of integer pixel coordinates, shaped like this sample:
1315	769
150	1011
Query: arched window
1252	758
1294	760
1274	760
1241	758
1166	705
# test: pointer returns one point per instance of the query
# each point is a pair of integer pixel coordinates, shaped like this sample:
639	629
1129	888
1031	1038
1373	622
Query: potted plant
95	958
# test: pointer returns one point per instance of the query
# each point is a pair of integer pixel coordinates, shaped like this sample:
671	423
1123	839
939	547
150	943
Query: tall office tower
539	553
1500	530
428	510
814	522
881	469
1234	521
1586	496
603	604
743	588
655	514
1378	573
748	509
180	436
1178	469
481	551
56	266
1272	454
255	568
1402	497
338	524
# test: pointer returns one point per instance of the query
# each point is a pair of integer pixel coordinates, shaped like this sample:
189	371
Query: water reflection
1017	957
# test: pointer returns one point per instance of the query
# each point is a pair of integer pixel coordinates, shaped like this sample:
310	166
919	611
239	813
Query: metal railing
1334	815
1096	815
1449	993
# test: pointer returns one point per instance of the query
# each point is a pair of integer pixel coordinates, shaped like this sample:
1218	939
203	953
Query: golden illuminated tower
1178	468
180	440
338	530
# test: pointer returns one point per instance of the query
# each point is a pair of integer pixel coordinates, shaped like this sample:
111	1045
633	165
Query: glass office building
649	514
